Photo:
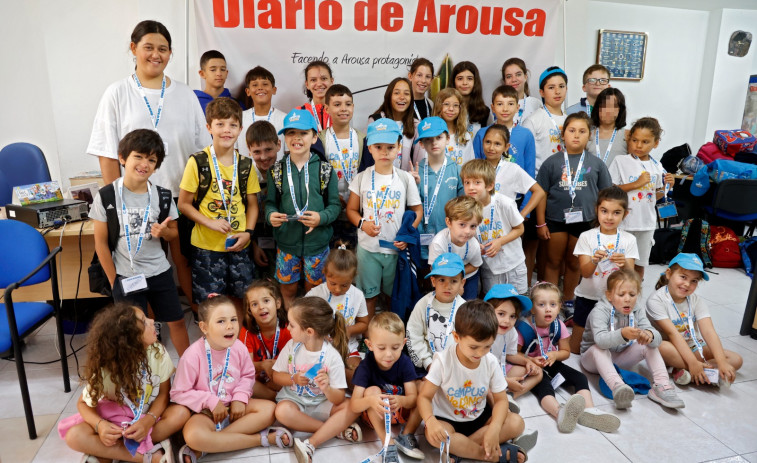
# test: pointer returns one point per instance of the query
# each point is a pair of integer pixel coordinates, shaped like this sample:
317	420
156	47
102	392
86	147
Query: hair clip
212	295
342	246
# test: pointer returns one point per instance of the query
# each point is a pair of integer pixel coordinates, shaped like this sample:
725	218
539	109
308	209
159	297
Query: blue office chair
734	200
26	260
21	164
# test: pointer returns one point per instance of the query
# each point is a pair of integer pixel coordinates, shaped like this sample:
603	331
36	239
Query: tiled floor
716	425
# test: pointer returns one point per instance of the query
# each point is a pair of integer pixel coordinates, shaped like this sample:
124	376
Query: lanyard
588	108
654	161
450	322
376	206
609	252
268	118
220	390
219	181
345	156
428	206
552	119
491	225
503	358
137	411
314	112
346	307
387	432
465	256
520	112
297	210
293	369
609	145
573	182
125	220
444	449
269	355
631	323
690	321
538	338
417	113
155	118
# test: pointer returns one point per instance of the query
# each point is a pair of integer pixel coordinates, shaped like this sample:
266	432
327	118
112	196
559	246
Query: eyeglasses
602	81
451	105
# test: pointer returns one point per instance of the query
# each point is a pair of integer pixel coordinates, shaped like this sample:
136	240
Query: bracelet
153	417
98	425
250	231
360	224
542	225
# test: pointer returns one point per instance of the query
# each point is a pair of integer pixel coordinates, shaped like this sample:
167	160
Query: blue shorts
289	267
221	272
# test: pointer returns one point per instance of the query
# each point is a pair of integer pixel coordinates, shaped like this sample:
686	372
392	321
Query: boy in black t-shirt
385	373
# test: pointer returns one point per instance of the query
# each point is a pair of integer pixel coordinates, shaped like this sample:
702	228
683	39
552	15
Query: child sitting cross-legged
452	400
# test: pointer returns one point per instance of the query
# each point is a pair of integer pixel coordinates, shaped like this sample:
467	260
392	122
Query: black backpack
98	281
666	242
695	238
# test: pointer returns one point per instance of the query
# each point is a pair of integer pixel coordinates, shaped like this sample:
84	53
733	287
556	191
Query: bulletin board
623	53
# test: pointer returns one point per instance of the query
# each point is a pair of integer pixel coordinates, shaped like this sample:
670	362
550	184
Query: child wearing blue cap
438	179
301	206
521	372
690	343
378	200
546	122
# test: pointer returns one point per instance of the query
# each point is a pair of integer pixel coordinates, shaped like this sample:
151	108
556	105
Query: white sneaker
665	395
597	419
569	412
623	396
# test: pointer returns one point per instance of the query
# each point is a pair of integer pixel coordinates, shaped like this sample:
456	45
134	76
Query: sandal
514	451
351	433
164	445
303	451
186	451
279	442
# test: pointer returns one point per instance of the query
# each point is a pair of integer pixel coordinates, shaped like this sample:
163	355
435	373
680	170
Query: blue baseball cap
299	119
431	127
448	264
551	72
700	183
383	131
690	261
508	291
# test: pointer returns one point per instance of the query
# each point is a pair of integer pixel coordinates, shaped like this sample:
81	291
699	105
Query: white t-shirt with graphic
350	304
594	287
430	325
462	391
547	137
383	198
641	202
458	152
344	156
302	361
511	180
660	307
500	216
470	252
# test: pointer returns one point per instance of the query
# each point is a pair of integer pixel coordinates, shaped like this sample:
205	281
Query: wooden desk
68	261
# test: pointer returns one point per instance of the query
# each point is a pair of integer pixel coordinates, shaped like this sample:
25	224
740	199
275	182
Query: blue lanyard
344	156
304	209
315	115
137	411
155	118
609	145
538	338
552	119
465	256
450	322
654	161
690	321
219	181
428	206
293	369
125	220
347	315
573	182
269	355
520	112
376	206
387	434
617	243
220	390
268	118
631	323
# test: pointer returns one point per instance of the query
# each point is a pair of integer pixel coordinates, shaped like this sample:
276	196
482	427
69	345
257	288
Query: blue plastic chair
26	260
21	164
735	200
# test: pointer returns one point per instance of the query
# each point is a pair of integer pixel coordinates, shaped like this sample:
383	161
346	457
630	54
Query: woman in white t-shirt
148	99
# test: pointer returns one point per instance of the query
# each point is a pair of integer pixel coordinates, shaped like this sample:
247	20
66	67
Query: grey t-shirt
619	147
150	260
593	177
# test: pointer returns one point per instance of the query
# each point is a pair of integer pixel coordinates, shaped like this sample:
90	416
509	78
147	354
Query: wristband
542	225
250	231
360	224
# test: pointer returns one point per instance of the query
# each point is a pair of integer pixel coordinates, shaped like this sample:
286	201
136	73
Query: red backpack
724	247
710	152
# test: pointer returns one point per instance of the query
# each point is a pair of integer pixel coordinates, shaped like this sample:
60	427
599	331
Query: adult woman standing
148	99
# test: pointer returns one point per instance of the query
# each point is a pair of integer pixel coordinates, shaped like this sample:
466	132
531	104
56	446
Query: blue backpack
529	335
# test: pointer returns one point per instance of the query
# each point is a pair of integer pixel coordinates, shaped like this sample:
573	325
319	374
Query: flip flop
279	432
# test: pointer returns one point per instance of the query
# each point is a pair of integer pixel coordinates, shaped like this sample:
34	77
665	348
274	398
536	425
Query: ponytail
339	338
